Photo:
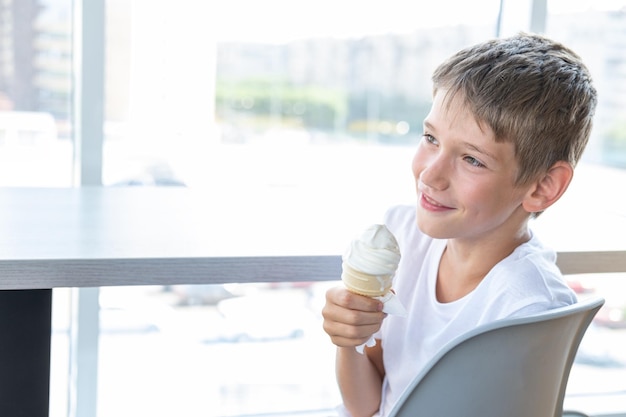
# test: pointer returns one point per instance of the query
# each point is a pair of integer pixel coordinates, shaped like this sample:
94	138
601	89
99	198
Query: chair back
509	368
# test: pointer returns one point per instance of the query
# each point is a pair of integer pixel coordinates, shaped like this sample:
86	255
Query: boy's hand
351	319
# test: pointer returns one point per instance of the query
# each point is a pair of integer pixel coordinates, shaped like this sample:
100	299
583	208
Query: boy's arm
360	379
350	320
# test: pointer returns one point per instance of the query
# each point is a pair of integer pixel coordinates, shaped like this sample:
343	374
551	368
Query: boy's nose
435	173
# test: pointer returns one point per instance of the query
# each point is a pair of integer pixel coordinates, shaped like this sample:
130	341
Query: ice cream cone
365	284
371	261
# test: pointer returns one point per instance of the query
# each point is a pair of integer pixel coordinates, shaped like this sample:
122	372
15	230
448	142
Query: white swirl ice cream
371	261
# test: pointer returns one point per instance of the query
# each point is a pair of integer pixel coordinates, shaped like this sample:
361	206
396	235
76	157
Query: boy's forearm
360	382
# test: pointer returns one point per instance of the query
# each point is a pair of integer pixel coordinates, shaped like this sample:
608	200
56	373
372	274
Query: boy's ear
549	187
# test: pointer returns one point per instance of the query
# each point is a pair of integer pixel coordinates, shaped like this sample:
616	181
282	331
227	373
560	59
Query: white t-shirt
526	282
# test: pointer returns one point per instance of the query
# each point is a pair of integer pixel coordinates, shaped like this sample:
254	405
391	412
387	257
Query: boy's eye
430	139
474	162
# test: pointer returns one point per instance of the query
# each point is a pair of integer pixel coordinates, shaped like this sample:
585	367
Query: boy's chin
432	231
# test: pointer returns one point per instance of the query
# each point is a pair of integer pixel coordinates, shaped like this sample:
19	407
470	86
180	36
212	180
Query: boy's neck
464	264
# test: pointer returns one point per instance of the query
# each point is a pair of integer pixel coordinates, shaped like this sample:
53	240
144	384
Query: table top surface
141	222
93	236
125	235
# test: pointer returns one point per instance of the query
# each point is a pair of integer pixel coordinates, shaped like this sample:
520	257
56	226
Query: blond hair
529	90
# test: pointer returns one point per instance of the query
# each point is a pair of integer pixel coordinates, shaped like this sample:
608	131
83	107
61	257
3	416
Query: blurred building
17	52
348	82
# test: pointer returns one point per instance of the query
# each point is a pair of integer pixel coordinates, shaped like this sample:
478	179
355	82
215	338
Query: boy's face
465	180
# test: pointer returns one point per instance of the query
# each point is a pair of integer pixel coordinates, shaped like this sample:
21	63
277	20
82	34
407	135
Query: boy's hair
529	90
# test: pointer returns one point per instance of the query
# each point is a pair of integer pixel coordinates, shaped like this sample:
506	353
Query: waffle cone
365	284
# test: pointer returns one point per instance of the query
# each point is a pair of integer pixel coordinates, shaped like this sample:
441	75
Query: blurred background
323	99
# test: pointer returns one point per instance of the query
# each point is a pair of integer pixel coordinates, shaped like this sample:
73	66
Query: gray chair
510	368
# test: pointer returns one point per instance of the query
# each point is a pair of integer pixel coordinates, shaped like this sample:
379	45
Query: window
36	146
597	31
268	99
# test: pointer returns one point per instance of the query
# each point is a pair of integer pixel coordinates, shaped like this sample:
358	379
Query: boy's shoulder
532	253
530	266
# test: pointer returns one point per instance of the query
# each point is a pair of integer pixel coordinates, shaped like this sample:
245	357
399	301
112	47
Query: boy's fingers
348	335
350	300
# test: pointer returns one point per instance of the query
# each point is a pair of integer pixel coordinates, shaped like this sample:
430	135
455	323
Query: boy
509	121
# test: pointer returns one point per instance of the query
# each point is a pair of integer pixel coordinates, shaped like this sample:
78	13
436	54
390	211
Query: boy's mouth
430	204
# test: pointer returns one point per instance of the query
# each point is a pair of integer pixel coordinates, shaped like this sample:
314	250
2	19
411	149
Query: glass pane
36	147
214	350
596	385
35	93
265	91
596	30
244	98
60	344
264	99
